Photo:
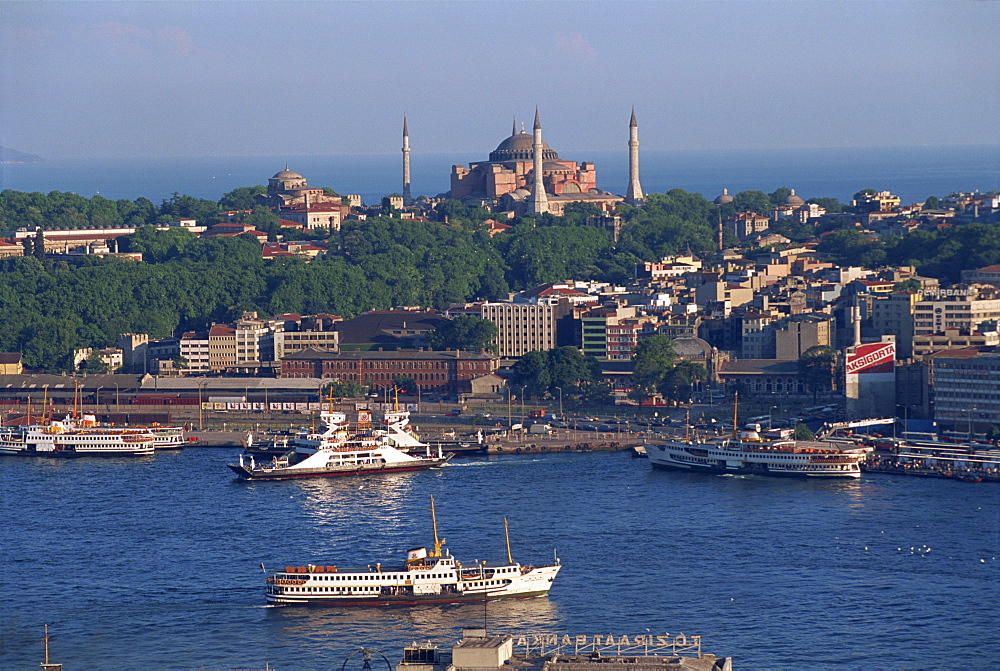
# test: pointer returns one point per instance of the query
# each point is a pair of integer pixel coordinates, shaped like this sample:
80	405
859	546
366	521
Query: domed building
793	200
506	180
295	201
288	188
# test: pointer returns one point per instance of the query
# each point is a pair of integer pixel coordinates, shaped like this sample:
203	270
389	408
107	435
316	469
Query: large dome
518	148
793	199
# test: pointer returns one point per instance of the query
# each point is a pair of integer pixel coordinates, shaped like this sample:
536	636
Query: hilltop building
310	207
509	181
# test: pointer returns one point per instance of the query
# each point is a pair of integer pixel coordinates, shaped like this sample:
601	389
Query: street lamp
509	417
773	407
201	408
118	400
560	403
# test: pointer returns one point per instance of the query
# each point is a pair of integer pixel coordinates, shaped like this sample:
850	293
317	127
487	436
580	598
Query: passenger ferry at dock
72	437
748	456
747	453
423	578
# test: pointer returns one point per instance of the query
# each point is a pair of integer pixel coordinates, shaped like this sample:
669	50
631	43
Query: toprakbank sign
877	357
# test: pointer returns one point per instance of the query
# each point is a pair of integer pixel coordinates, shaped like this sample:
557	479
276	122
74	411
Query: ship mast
506	533
736	406
434	523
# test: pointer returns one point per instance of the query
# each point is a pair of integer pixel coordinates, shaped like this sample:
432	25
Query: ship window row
377	576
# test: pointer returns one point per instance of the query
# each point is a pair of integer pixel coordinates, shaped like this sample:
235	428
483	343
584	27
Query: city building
966	389
448	372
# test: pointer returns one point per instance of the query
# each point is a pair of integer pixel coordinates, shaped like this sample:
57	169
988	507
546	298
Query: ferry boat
336	450
750	454
74	438
424	577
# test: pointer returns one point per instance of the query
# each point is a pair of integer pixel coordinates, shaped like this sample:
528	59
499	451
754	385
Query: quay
935	460
552	652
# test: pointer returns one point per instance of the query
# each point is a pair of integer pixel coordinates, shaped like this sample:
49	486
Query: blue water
911	173
154	562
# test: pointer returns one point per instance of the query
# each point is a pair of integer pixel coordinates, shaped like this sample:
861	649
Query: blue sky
109	79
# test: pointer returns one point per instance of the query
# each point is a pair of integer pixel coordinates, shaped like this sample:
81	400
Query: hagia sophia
506	182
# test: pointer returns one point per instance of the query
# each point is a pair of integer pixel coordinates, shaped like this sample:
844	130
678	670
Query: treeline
187	283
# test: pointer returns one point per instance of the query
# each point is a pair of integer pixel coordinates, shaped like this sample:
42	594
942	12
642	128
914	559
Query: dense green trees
464	332
817	367
544	373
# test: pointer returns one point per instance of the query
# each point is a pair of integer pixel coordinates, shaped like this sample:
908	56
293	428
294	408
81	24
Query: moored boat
742	455
74	438
424	577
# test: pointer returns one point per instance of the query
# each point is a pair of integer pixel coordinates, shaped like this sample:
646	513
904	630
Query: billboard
878	357
870	384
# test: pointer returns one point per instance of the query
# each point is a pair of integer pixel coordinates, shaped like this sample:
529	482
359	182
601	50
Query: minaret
539	201
407	199
634	194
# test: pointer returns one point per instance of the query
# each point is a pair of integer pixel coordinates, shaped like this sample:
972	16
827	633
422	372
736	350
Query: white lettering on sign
876	356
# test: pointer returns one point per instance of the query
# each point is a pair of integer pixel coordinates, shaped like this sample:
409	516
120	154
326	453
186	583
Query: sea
155	562
912	173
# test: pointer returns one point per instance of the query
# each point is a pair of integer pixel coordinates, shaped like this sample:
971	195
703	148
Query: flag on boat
416	553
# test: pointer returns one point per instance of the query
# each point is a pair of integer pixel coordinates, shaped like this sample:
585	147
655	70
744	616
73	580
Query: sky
135	79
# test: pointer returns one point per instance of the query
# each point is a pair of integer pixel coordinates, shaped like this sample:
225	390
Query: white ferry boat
336	450
749	454
424	577
74	438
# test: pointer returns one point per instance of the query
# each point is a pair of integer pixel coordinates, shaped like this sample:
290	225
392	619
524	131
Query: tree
242	198
464	332
531	371
816	368
652	361
678	384
932	203
405	384
38	249
779	196
752	201
802	432
339	389
94	364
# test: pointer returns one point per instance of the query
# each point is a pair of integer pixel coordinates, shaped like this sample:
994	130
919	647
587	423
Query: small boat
335	450
424	577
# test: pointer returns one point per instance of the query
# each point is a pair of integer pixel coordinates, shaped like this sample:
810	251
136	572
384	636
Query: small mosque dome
793	199
520	194
287	174
723	198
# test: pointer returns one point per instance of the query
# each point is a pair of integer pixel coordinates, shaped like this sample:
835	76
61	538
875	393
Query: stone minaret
407	199
539	201
634	194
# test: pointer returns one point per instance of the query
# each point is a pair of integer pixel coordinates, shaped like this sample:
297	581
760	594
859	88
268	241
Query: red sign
872	358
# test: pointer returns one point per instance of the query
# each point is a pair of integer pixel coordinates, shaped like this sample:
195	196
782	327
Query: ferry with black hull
337	450
747	453
746	456
425	577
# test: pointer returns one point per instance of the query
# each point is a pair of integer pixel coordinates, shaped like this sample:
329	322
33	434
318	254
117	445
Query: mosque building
507	181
